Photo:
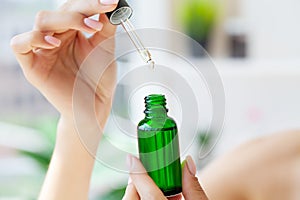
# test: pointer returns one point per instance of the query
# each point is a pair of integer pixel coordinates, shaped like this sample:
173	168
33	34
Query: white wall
151	13
273	28
261	98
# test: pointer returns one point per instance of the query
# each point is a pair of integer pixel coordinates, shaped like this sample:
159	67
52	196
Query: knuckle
14	43
17	42
41	18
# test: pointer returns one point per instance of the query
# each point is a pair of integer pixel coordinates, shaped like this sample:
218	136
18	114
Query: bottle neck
155	106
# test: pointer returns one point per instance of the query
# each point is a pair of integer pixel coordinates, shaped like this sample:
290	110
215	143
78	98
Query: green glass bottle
159	146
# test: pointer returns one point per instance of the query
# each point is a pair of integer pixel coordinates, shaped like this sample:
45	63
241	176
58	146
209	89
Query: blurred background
254	44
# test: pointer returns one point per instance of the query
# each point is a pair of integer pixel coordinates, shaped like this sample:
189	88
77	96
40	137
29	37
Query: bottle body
159	147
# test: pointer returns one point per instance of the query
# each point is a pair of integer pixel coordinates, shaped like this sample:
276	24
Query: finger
57	21
131	193
23	44
143	183
107	31
191	188
89	7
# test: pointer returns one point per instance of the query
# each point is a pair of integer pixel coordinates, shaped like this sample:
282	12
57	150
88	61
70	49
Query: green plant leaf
198	17
42	158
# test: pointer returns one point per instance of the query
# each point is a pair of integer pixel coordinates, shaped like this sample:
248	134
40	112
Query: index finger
89	7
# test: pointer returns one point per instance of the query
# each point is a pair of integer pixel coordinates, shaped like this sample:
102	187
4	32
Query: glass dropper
143	51
120	16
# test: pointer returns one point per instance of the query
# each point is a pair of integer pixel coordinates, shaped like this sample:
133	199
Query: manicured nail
52	40
109	2
93	24
191	165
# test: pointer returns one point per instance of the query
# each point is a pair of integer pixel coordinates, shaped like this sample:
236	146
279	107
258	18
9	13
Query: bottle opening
155	106
155	99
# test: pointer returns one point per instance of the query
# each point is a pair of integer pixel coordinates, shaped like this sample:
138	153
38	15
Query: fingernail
93	24
191	165
129	161
52	40
109	2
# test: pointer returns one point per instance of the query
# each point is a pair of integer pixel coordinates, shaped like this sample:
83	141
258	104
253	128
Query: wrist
71	141
71	164
87	117
82	131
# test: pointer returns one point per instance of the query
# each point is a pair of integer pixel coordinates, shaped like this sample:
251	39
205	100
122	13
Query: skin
264	168
50	56
141	186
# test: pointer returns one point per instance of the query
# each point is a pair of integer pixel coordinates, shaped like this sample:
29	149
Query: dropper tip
152	63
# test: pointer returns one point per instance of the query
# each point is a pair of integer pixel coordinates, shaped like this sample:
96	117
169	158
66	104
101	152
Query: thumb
191	188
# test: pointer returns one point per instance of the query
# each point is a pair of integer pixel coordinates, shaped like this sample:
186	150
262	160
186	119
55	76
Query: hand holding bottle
141	186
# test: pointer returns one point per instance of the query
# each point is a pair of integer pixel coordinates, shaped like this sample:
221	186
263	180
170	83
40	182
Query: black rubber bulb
122	12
